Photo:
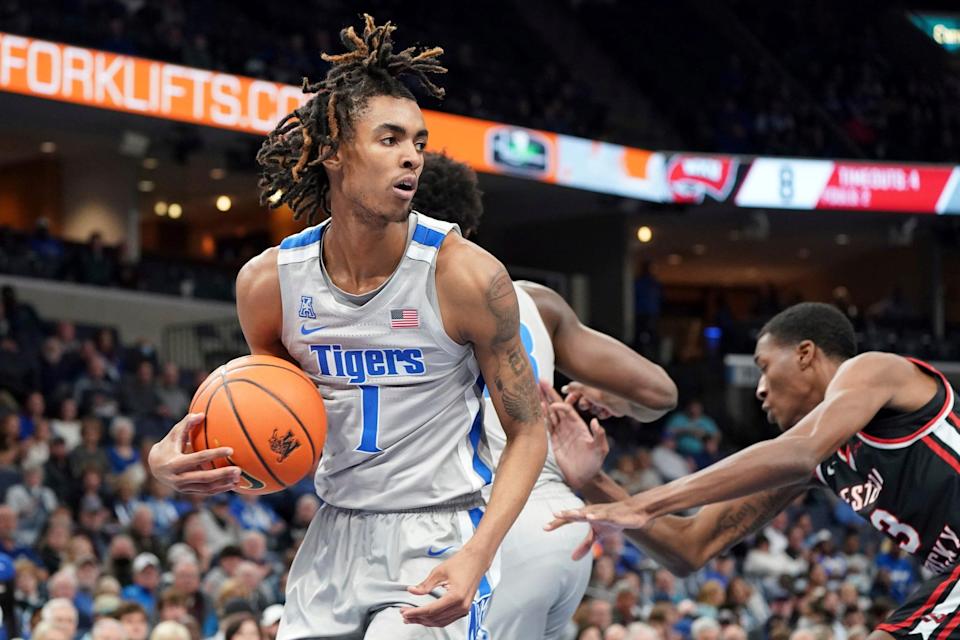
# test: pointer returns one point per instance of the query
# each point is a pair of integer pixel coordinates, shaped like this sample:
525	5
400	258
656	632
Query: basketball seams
282	403
243	428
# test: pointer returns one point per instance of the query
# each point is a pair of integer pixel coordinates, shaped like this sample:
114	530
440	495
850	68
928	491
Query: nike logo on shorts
439	552
304	331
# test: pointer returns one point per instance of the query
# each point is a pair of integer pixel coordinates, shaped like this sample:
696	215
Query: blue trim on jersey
478	464
476	514
481	384
427	236
481	601
302	239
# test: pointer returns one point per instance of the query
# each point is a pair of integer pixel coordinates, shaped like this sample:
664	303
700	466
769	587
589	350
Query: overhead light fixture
48	147
644	234
160	208
175	211
224	203
145	186
150	163
217	173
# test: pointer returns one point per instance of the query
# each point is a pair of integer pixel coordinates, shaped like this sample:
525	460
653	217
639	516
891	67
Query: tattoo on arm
739	521
515	382
516	397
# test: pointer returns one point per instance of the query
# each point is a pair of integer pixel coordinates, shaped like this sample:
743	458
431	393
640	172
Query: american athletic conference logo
518	150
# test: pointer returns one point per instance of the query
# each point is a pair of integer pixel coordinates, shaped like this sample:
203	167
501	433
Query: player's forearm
766	465
663	540
520	465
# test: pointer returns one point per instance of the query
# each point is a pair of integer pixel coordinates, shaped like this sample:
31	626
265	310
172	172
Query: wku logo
693	177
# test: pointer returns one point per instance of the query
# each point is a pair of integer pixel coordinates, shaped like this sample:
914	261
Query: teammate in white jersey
400	321
540	586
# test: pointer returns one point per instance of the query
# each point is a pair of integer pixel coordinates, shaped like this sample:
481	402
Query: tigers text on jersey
902	473
536	341
404	403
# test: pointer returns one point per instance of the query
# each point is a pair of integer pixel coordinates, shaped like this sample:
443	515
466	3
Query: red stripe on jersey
947	405
949	628
929	604
937	449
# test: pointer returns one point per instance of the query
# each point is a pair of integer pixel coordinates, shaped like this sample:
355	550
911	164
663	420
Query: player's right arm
260	313
685	544
628	383
260	307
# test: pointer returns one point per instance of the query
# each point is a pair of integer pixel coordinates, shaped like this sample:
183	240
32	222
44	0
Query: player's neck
360	254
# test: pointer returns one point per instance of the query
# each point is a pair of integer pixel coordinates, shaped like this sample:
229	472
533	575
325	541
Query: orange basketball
272	416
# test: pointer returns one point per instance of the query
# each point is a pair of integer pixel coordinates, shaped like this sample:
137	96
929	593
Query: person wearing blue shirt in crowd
122	454
251	513
695	432
146	579
901	571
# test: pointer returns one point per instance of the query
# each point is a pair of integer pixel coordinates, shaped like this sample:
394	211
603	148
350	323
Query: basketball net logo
283	446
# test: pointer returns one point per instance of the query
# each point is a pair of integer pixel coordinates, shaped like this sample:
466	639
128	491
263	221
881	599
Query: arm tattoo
517	398
748	517
515	382
498	302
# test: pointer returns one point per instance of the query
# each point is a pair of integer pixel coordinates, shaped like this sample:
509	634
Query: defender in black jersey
878	429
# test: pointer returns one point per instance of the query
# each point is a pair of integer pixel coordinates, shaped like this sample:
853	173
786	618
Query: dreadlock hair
447	190
823	324
290	158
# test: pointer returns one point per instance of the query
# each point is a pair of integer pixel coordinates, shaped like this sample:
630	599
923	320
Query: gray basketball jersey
536	341
404	401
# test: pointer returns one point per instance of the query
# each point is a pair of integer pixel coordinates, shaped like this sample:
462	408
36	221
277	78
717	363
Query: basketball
272	416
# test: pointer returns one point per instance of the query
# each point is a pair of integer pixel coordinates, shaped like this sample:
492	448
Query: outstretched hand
604	520
579	448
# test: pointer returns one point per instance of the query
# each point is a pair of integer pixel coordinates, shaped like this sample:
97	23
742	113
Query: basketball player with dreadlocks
399	321
879	430
540	588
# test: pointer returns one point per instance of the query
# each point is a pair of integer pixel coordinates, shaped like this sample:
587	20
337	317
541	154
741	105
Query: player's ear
805	353
335	161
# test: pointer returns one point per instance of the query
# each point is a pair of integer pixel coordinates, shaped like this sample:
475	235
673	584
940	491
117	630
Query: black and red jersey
902	473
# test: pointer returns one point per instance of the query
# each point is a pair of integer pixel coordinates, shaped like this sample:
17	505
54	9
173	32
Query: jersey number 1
370	415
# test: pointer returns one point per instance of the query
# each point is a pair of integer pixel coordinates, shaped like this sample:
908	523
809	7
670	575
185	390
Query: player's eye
420	146
389	141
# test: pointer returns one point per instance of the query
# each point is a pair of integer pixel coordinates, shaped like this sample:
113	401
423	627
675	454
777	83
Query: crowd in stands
92	547
86	535
811	79
43	255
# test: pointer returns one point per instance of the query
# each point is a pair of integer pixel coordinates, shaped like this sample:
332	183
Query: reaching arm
861	387
629	384
684	544
680	544
479	307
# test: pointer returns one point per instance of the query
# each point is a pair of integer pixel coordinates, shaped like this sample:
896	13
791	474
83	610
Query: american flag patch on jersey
404	319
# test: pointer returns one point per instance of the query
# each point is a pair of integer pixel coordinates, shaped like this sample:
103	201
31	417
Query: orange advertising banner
130	84
136	85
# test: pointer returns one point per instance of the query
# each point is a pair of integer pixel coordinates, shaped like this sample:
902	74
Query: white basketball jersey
536	341
404	401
